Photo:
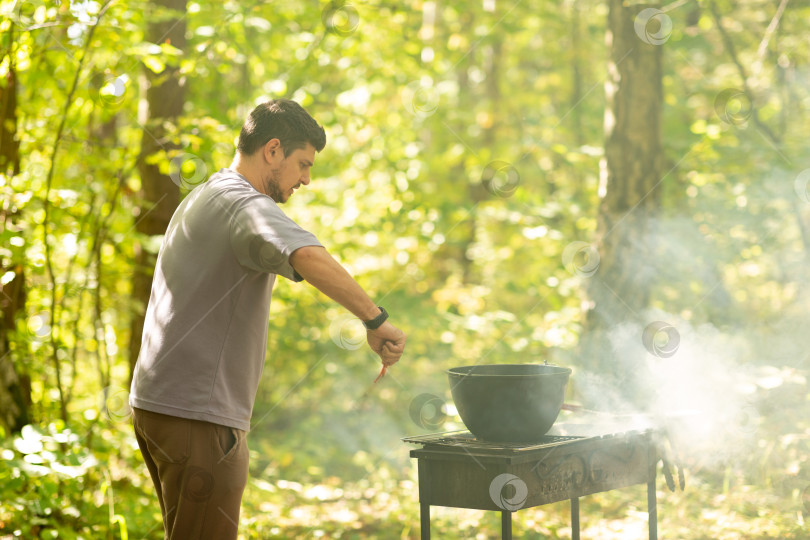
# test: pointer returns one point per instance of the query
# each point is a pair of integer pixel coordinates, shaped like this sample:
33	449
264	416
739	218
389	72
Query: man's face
288	173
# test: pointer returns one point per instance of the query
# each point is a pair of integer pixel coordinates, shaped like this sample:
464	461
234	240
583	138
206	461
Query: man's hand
388	342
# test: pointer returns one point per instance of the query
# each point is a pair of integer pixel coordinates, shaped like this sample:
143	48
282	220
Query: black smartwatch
377	321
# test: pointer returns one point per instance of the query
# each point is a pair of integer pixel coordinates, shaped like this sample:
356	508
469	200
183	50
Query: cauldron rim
560	370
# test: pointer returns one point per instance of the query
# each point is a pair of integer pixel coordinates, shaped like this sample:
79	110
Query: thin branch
47	205
766	39
674	5
71	264
66	290
732	51
102	359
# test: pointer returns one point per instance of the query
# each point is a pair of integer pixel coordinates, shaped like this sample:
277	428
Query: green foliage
463	156
56	485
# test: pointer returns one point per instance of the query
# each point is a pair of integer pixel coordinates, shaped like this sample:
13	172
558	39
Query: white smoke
702	398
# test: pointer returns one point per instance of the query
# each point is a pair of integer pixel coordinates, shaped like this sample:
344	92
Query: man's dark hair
281	119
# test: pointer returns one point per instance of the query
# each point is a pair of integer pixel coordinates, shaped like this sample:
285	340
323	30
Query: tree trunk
15	388
619	291
160	195
9	144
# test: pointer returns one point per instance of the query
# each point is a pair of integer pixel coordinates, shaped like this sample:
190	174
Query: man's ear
272	150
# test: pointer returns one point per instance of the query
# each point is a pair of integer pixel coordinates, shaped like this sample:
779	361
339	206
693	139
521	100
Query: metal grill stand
456	470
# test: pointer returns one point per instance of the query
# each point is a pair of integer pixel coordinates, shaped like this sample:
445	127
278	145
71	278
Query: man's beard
273	191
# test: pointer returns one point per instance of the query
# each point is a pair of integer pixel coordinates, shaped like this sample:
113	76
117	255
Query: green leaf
154	64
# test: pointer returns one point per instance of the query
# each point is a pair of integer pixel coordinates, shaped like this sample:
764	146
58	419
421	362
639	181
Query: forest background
616	187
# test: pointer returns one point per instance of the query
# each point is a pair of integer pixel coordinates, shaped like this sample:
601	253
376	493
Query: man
205	332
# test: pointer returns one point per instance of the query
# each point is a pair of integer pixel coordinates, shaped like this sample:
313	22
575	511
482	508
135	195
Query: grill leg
652	509
575	518
424	520
506	525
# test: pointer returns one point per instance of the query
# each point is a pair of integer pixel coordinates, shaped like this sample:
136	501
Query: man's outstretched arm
322	271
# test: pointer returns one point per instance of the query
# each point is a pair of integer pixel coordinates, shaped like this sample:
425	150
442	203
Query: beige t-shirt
205	331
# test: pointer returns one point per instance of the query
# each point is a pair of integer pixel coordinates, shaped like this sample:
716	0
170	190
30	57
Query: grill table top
459	444
465	439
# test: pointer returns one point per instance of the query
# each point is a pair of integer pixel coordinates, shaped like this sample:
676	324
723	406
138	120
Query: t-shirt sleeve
263	237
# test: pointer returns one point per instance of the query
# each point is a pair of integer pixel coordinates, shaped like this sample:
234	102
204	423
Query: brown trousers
199	470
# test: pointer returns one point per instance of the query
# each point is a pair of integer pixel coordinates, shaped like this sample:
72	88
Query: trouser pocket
228	440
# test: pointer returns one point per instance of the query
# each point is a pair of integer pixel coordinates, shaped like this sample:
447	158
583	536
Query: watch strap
377	321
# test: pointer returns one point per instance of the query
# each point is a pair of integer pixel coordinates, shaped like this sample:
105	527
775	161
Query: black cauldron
508	402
